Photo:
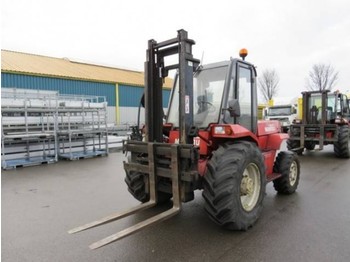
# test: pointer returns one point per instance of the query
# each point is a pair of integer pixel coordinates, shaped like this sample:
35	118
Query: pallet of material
18	151
30	161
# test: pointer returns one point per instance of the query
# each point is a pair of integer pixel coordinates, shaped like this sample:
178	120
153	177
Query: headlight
219	130
223	130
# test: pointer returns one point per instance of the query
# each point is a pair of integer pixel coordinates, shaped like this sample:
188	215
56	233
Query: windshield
331	103
315	106
208	87
280	111
316	102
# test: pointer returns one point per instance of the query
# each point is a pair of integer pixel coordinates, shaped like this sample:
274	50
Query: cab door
246	95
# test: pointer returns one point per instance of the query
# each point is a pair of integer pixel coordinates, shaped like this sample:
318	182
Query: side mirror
234	108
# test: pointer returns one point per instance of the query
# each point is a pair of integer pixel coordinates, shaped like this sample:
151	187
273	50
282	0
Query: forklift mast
155	72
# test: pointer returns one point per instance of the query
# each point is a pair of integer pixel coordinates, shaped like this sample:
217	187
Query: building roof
24	63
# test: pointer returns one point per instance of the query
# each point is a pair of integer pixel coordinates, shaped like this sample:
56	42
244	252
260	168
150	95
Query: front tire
234	185
138	187
309	145
342	146
288	165
292	144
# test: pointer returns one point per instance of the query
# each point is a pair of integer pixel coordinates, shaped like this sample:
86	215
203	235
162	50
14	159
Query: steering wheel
211	108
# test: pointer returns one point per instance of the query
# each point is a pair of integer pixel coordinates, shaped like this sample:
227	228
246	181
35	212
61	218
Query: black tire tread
292	144
309	145
282	165
137	188
224	171
341	147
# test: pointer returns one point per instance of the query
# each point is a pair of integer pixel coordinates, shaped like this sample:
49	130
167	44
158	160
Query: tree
321	77
268	83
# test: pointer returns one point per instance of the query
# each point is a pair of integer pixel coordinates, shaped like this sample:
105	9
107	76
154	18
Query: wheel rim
250	187
293	173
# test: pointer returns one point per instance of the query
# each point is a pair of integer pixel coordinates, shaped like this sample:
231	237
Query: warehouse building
122	88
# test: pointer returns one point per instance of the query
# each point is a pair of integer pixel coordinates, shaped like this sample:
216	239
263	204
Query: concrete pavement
40	204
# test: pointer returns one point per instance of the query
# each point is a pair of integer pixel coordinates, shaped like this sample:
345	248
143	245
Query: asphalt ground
40	204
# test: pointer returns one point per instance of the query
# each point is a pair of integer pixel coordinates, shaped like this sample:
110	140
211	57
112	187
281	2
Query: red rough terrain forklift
325	121
210	140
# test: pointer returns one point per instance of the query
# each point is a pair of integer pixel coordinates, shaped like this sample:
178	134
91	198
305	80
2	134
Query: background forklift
209	140
325	120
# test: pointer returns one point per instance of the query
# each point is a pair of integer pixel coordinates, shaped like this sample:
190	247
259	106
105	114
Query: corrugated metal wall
64	86
129	96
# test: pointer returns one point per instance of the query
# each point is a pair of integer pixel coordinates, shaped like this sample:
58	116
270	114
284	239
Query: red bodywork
328	135
268	139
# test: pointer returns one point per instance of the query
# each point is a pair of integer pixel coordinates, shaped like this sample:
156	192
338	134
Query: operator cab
223	93
335	106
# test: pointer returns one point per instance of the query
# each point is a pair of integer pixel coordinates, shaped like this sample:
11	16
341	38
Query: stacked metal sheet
28	134
41	126
82	127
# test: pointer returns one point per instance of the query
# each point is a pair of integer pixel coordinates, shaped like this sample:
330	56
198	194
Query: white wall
111	114
128	115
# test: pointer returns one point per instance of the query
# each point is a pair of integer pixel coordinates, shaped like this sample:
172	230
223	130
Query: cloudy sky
289	36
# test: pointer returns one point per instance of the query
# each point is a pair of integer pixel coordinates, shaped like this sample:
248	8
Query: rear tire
234	185
342	146
292	144
288	165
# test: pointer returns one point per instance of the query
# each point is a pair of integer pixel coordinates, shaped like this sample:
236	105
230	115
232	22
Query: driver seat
202	104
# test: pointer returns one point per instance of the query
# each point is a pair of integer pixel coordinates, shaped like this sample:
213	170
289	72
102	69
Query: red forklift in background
325	121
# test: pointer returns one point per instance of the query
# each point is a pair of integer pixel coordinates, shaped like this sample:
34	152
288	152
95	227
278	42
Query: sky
289	36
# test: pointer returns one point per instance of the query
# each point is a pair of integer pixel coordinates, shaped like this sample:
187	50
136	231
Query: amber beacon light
243	53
